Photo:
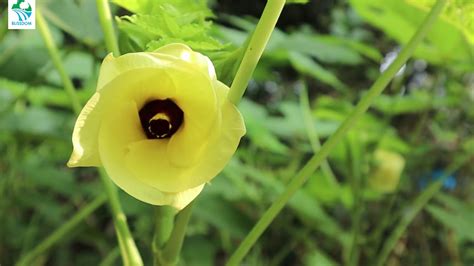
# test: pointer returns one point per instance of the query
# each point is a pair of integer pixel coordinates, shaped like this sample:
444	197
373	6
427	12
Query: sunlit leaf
444	43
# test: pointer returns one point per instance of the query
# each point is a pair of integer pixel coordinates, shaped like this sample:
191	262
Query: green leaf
78	18
36	121
323	48
316	257
23	54
308	66
222	214
260	135
157	23
458	12
399	19
457	215
415	102
78	65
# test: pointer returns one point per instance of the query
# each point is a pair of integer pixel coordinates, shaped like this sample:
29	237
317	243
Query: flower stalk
55	57
105	18
340	133
255	48
169	234
130	254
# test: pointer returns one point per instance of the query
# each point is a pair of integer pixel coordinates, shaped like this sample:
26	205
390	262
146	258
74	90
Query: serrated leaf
458	12
157	23
445	42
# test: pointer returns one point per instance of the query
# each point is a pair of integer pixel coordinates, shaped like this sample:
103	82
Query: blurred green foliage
426	116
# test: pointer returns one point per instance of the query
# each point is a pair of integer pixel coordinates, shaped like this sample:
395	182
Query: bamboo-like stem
62	231
255	48
130	254
56	58
173	247
340	133
164	223
105	18
168	255
128	248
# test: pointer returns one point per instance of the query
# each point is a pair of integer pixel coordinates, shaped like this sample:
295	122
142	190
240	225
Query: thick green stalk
164	223
348	123
129	250
255	48
413	210
169	254
105	18
62	231
55	57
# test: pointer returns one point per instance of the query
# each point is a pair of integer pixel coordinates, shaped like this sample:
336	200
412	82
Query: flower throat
160	119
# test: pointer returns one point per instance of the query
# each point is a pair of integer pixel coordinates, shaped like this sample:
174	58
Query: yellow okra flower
159	123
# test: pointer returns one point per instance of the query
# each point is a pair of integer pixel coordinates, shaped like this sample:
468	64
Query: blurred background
409	157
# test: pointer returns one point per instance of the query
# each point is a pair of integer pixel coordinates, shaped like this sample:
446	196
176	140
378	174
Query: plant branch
255	48
164	223
170	252
348	123
130	254
105	18
56	58
128	248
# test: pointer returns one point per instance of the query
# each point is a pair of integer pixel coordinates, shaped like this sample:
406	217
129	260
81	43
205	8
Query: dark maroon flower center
160	118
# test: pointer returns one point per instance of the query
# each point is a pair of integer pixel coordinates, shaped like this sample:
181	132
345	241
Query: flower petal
114	139
113	67
185	53
138	85
84	136
148	160
222	145
195	95
172	55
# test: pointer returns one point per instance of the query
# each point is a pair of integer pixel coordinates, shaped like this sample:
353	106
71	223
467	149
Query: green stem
111	257
105	18
3	25
413	210
356	152
62	231
163	227
169	234
348	123
129	250
55	57
314	137
170	254
255	48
